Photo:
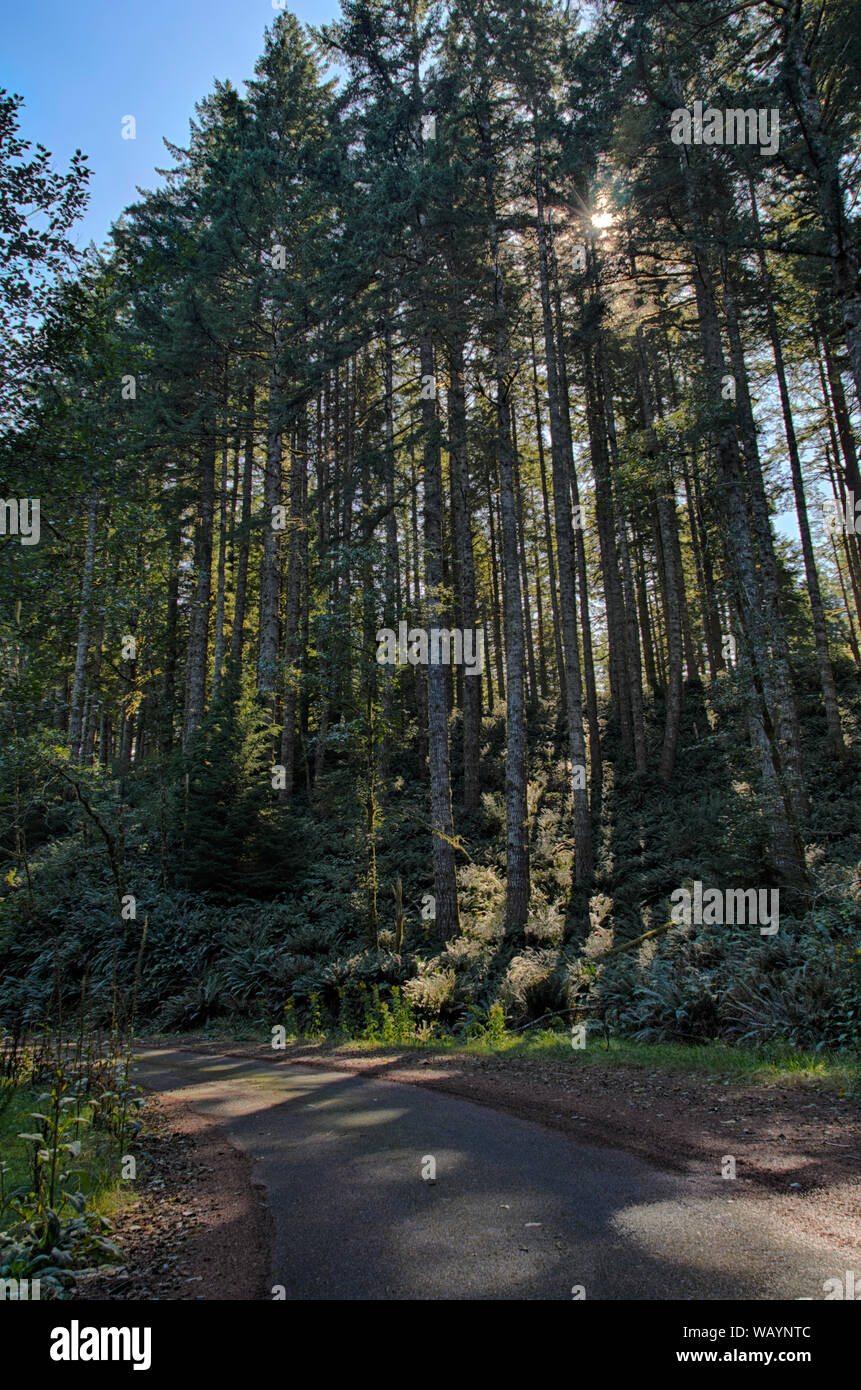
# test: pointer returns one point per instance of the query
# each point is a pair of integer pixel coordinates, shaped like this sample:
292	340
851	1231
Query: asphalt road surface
516	1211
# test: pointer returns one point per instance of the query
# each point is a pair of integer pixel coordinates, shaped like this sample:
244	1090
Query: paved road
516	1211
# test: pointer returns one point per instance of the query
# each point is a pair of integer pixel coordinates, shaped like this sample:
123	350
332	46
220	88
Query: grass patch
94	1173
768	1065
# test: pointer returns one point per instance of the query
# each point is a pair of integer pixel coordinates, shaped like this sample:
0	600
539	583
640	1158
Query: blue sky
82	68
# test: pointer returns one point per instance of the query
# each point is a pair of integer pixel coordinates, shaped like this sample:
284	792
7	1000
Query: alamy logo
844	520
716	907
441	646
19	516
843	1288
78	1343
693	126
19	1290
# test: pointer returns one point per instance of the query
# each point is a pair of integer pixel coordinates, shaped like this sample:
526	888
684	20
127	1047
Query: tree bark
270	574
237	634
814	593
198	635
464	572
296	532
583	848
517	828
84	621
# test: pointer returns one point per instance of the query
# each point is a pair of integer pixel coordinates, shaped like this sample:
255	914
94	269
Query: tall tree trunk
782	809
632	639
616	642
326	543
171	658
712	611
524	570
848	446
221	570
543	686
596	765
583	849
649	654
498	652
296	532
237	634
673	521
826	675
198	634
853	571
780	673
699	541
464	570
801	86
548	528
517	827
445	883
850	541
88	736
84	621
391	607
270	575
665	502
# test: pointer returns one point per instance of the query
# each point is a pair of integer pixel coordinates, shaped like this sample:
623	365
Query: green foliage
211	957
41	1245
227	827
39	207
486	1025
69	1152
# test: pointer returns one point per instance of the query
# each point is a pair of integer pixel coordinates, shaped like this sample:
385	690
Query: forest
430	579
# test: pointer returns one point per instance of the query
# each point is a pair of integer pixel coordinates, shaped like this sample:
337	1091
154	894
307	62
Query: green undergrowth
96	1169
230	949
68	1118
767	1066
